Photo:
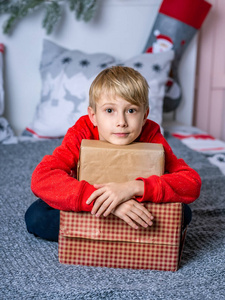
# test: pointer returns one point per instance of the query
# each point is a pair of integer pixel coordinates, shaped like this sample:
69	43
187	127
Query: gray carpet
29	267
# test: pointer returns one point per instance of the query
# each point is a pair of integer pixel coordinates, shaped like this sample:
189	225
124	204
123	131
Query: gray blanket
30	269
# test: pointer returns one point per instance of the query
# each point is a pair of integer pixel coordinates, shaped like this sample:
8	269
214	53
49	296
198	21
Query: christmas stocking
1	80
175	26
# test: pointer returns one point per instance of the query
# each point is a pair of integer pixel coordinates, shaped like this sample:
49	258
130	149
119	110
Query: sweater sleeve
52	179
180	183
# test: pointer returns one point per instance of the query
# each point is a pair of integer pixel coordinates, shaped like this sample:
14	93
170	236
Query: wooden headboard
120	28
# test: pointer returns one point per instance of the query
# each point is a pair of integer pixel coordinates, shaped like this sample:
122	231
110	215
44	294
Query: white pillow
155	68
6	133
1	80
67	76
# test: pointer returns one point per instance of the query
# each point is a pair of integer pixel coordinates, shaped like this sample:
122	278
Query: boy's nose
121	121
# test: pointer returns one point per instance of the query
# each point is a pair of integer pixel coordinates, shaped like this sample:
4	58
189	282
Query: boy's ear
92	115
145	116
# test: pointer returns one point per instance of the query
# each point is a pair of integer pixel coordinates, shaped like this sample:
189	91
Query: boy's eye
131	110
109	110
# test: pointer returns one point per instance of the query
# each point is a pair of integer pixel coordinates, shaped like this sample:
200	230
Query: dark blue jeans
43	220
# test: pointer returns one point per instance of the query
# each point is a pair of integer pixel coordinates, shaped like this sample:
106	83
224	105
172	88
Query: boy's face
119	122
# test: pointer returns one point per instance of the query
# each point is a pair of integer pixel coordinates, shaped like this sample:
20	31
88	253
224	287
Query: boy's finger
130	222
145	210
110	208
135	217
99	208
98	186
91	198
148	220
94	195
99	202
143	217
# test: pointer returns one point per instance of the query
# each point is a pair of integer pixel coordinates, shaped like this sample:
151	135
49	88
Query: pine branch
84	9
89	9
18	9
4	7
52	16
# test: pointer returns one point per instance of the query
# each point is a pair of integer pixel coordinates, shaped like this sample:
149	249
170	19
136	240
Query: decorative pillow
67	76
6	133
155	68
1	80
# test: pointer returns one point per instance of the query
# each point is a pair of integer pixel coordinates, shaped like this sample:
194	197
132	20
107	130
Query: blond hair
125	82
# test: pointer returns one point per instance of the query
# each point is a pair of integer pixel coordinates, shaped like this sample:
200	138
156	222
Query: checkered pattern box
110	242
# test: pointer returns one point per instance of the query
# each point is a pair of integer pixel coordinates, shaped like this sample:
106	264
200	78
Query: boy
117	113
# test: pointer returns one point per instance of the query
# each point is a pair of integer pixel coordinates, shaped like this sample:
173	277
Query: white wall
120	27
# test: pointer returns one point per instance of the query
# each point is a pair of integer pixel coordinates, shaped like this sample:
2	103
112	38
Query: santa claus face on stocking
163	43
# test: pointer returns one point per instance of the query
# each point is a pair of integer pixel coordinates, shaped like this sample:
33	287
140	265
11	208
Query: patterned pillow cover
66	78
155	69
6	132
1	80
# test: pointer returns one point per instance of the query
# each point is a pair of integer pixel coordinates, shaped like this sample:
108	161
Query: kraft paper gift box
110	242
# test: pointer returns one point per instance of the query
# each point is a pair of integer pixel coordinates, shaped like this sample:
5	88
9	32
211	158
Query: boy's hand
108	196
133	213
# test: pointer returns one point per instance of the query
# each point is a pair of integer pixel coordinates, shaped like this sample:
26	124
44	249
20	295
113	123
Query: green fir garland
18	9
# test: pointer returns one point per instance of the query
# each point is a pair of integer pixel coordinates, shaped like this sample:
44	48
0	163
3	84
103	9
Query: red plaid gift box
110	242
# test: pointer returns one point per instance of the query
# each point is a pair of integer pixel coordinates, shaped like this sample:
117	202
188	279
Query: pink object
210	101
2	48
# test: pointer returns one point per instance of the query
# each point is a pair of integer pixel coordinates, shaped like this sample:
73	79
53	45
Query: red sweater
52	180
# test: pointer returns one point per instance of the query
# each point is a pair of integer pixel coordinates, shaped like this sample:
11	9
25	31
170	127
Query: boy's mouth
121	134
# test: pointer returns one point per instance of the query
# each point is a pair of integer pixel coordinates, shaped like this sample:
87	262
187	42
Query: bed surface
30	267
